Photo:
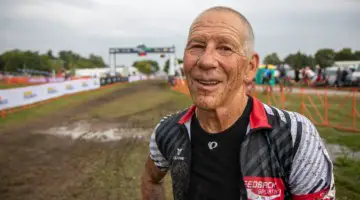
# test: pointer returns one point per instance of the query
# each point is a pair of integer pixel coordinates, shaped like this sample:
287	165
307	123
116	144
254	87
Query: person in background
297	75
266	79
282	77
344	76
338	77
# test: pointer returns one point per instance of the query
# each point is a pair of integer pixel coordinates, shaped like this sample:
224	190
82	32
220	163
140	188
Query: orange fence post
283	99
354	109
302	101
268	96
326	108
3	114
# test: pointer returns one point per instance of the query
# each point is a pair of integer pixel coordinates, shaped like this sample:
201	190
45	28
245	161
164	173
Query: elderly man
230	145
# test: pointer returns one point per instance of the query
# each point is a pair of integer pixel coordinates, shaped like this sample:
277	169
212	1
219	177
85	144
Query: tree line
17	60
152	66
323	57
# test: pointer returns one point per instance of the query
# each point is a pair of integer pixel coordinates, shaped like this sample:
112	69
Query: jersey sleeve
155	154
311	175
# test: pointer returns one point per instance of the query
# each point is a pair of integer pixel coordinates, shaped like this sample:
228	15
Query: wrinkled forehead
219	19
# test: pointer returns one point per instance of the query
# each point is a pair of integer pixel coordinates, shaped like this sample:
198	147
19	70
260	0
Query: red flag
142	53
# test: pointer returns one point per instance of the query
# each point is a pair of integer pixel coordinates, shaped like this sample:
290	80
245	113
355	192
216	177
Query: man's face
215	65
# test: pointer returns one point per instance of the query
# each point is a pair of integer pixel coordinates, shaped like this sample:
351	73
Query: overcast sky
92	26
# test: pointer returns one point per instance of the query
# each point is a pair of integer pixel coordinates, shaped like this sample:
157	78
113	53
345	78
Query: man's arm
311	174
152	187
156	167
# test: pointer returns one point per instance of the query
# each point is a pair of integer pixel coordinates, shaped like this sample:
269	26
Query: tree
146	66
96	60
299	60
345	54
325	57
49	53
167	64
17	60
272	59
2	63
357	55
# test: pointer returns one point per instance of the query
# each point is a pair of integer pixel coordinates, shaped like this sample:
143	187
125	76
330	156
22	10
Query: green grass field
113	176
9	86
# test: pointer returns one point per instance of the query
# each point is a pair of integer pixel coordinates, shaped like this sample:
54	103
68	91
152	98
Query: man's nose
207	60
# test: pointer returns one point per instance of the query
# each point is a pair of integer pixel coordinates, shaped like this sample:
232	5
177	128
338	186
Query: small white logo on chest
179	150
178	157
212	145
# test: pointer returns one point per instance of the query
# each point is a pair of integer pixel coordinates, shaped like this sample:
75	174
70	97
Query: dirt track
37	166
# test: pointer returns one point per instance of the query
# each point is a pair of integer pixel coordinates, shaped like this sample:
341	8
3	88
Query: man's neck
220	119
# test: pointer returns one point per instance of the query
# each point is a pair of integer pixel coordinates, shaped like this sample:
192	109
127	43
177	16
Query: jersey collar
258	117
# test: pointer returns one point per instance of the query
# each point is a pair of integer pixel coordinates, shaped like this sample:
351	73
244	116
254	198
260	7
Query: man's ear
252	67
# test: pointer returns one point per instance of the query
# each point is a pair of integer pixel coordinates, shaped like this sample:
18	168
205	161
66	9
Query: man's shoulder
286	117
169	124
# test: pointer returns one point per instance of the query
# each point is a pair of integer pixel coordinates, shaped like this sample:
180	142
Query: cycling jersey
281	157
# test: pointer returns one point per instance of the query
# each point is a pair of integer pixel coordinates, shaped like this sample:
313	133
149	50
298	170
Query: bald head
248	37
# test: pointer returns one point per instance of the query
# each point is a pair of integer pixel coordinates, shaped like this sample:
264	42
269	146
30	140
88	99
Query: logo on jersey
178	157
179	150
212	145
264	188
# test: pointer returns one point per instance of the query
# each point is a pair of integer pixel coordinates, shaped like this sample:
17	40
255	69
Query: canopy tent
260	73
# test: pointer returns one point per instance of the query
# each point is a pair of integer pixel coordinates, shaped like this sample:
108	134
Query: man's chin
206	103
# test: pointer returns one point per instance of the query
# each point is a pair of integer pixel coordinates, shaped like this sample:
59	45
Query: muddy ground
56	157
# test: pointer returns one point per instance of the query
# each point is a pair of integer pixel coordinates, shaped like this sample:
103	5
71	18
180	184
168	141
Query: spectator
282	77
297	75
267	78
338	77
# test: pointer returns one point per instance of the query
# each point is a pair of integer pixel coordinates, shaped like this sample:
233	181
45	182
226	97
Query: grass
334	136
9	86
141	107
347	178
29	115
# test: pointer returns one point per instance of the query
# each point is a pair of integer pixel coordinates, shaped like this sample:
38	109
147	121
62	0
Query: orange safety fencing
24	80
338	109
6	112
17	80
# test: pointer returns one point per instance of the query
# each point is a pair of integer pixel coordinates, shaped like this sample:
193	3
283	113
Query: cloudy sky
92	26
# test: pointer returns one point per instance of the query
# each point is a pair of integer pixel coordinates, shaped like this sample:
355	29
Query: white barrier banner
15	97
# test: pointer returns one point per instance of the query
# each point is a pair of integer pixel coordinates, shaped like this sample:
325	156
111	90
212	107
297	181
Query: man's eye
225	48
197	46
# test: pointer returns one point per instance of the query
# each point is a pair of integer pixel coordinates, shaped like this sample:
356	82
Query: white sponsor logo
179	150
212	145
178	157
253	196
260	184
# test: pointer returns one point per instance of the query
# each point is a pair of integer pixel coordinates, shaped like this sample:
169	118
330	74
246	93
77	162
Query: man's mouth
208	82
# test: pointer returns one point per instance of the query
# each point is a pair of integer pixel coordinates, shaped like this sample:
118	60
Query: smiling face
215	64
